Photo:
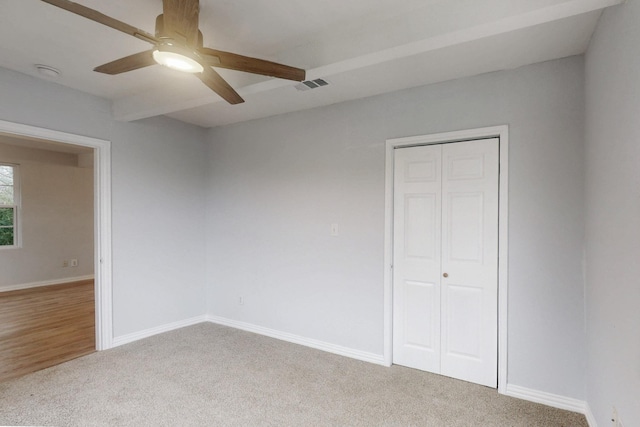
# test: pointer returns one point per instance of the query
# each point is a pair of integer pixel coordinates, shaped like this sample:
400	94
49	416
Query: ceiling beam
156	103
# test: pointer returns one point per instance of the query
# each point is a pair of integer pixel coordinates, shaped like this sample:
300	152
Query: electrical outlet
615	418
65	263
74	263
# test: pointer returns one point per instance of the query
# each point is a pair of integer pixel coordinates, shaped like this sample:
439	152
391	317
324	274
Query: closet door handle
445	275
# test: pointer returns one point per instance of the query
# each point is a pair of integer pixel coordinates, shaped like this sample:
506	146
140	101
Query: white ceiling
362	47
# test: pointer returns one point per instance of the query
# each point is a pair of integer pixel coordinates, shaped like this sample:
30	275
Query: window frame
17	231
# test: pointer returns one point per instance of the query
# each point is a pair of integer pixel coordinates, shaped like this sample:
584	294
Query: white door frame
501	132
102	217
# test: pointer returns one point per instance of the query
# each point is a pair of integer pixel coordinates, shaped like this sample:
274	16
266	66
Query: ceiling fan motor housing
179	22
176	50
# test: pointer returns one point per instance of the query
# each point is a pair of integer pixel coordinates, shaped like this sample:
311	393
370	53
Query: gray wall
158	177
613	215
270	189
56	217
275	186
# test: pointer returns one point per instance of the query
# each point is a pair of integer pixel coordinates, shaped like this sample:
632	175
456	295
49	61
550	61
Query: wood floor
45	326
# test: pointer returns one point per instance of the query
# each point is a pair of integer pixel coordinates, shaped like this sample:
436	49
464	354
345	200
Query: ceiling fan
177	44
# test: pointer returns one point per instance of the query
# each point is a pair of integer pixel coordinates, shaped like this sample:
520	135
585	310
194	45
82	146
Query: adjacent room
47	198
342	213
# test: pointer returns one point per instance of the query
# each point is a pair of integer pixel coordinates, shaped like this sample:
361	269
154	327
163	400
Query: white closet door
469	310
416	277
445	259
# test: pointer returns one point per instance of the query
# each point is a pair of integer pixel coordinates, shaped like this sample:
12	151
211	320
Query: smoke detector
47	71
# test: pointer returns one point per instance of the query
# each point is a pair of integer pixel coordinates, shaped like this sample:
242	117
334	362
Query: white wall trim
102	217
260	330
135	336
549	399
501	132
60	281
378	359
591	420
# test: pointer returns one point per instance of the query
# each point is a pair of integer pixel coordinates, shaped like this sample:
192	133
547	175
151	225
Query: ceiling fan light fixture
177	59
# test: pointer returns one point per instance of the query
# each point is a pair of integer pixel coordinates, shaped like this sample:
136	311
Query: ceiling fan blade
103	19
216	83
128	63
181	20
248	64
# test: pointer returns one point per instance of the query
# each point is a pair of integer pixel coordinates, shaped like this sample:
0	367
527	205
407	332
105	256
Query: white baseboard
549	399
284	336
591	420
129	338
297	339
18	287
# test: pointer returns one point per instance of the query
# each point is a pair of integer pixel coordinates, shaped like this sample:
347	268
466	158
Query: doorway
102	216
452	294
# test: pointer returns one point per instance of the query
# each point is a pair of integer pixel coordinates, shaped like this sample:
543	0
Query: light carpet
210	375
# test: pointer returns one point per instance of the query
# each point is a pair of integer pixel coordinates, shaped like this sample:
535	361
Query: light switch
334	229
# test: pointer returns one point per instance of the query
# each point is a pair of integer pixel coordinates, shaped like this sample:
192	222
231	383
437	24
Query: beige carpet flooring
209	375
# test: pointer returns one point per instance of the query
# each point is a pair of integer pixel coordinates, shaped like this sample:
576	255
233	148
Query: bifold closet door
417	208
446	259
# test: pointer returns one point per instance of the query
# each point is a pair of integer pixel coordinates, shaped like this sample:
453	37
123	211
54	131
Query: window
9	198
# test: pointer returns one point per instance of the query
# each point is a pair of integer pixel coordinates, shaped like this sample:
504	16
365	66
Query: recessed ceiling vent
311	84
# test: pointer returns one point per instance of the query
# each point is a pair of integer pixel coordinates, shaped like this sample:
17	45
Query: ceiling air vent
311	84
